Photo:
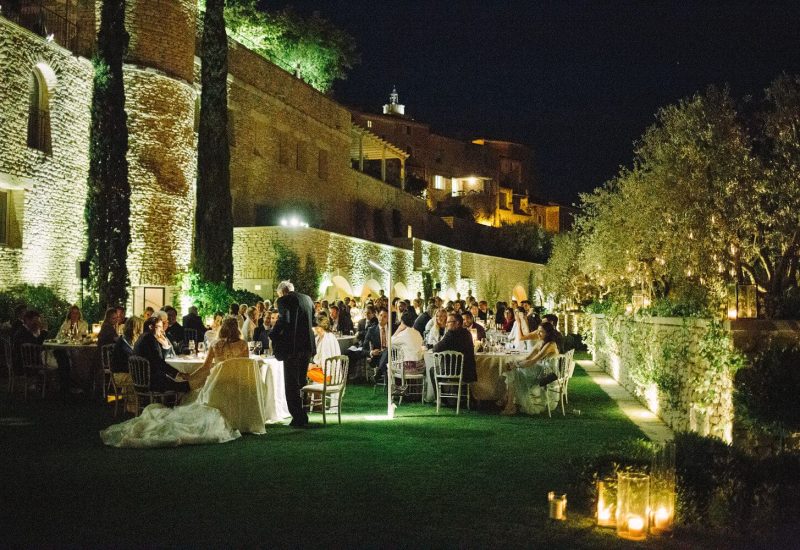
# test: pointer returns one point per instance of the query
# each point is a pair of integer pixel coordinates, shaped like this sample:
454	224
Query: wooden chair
33	364
448	370
334	383
140	375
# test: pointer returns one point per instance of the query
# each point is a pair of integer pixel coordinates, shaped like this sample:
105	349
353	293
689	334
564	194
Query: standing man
293	342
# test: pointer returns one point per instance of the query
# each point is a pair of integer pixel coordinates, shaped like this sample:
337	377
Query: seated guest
523	378
457	338
436	328
121	318
73	327
148	312
559	338
18	322
174	330
250	324
227	346
375	342
242	314
193	321
327	347
153	345
469	324
500	314
483	311
211	334
508	320
422	320
119	358
369	319
409	341
108	331
233	311
31	332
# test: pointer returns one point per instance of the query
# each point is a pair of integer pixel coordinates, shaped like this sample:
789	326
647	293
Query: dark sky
577	81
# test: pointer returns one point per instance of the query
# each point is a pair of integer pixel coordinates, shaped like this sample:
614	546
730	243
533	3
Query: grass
420	480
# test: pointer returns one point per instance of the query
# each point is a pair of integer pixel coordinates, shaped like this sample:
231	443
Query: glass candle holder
633	505
558	506
607	502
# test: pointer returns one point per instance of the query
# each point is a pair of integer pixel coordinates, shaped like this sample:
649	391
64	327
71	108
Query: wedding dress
233	400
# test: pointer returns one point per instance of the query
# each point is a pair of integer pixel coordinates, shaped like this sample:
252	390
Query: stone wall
52	187
702	400
464	272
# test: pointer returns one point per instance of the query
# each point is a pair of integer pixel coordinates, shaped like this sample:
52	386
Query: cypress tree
213	244
108	198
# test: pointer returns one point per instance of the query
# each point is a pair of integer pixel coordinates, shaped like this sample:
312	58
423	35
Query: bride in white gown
230	400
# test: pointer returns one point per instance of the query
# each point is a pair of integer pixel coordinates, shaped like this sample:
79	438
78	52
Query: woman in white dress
250	324
409	341
213	333
214	414
523	377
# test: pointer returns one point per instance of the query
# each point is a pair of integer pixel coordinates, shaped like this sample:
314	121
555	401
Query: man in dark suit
469	324
375	342
194	322
457	338
294	344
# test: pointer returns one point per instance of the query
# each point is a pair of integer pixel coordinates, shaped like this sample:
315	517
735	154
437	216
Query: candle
636	526
661	519
558	506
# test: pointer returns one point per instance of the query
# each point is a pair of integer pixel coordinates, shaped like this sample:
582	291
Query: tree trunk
108	199
213	244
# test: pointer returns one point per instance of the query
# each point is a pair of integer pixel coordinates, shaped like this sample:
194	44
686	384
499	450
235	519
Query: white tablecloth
489	386
271	377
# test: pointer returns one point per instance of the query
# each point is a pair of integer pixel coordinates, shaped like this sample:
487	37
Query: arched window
39	113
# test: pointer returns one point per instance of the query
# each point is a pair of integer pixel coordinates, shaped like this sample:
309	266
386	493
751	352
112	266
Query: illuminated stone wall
254	262
703	402
48	191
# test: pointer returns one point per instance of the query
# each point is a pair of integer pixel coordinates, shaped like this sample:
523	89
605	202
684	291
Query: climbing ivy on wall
107	210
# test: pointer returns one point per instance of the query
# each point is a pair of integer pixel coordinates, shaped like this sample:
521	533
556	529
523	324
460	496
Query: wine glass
201	348
191	347
257	347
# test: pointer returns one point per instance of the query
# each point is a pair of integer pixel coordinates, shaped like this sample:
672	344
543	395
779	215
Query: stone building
291	153
494	178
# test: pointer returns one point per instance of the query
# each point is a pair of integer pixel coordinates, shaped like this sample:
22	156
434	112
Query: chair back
8	353
105	356
140	372
448	364
570	366
32	356
396	358
335	371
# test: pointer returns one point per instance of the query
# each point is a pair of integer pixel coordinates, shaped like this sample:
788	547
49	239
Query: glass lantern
607	502
662	489
633	505
558	506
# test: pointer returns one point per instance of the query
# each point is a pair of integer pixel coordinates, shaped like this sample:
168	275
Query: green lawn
420	480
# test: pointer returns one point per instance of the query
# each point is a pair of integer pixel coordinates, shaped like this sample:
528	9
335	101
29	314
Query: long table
84	360
490	386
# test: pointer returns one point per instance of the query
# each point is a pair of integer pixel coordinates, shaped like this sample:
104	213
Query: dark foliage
415	185
213	244
43	299
108	199
768	389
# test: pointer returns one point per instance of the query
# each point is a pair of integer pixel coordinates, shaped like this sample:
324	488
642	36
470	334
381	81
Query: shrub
211	297
42	298
766	392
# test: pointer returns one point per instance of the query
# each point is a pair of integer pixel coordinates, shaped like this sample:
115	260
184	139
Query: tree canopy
712	199
309	46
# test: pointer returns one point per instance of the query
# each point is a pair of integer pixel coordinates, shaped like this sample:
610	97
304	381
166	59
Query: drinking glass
191	347
201	347
250	345
257	348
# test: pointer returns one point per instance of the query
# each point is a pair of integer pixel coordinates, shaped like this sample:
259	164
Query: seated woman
73	327
213	333
520	331
108	331
151	345
327	346
508	320
229	344
123	349
523	377
216	414
408	340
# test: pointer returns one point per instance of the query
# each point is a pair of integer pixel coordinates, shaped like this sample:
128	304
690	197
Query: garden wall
683	369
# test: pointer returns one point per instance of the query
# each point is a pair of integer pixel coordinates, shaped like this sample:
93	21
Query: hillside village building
297	157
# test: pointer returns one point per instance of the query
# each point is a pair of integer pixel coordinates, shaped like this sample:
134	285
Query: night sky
577	81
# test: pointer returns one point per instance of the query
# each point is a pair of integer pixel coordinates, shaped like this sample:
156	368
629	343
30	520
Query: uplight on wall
294	221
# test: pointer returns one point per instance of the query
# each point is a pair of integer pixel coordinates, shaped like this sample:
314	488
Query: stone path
652	426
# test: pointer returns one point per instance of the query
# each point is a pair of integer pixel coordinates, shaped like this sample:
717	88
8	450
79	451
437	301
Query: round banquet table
490	386
271	371
84	359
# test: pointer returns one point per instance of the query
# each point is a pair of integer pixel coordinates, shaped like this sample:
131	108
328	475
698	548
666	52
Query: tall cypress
213	243
109	193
